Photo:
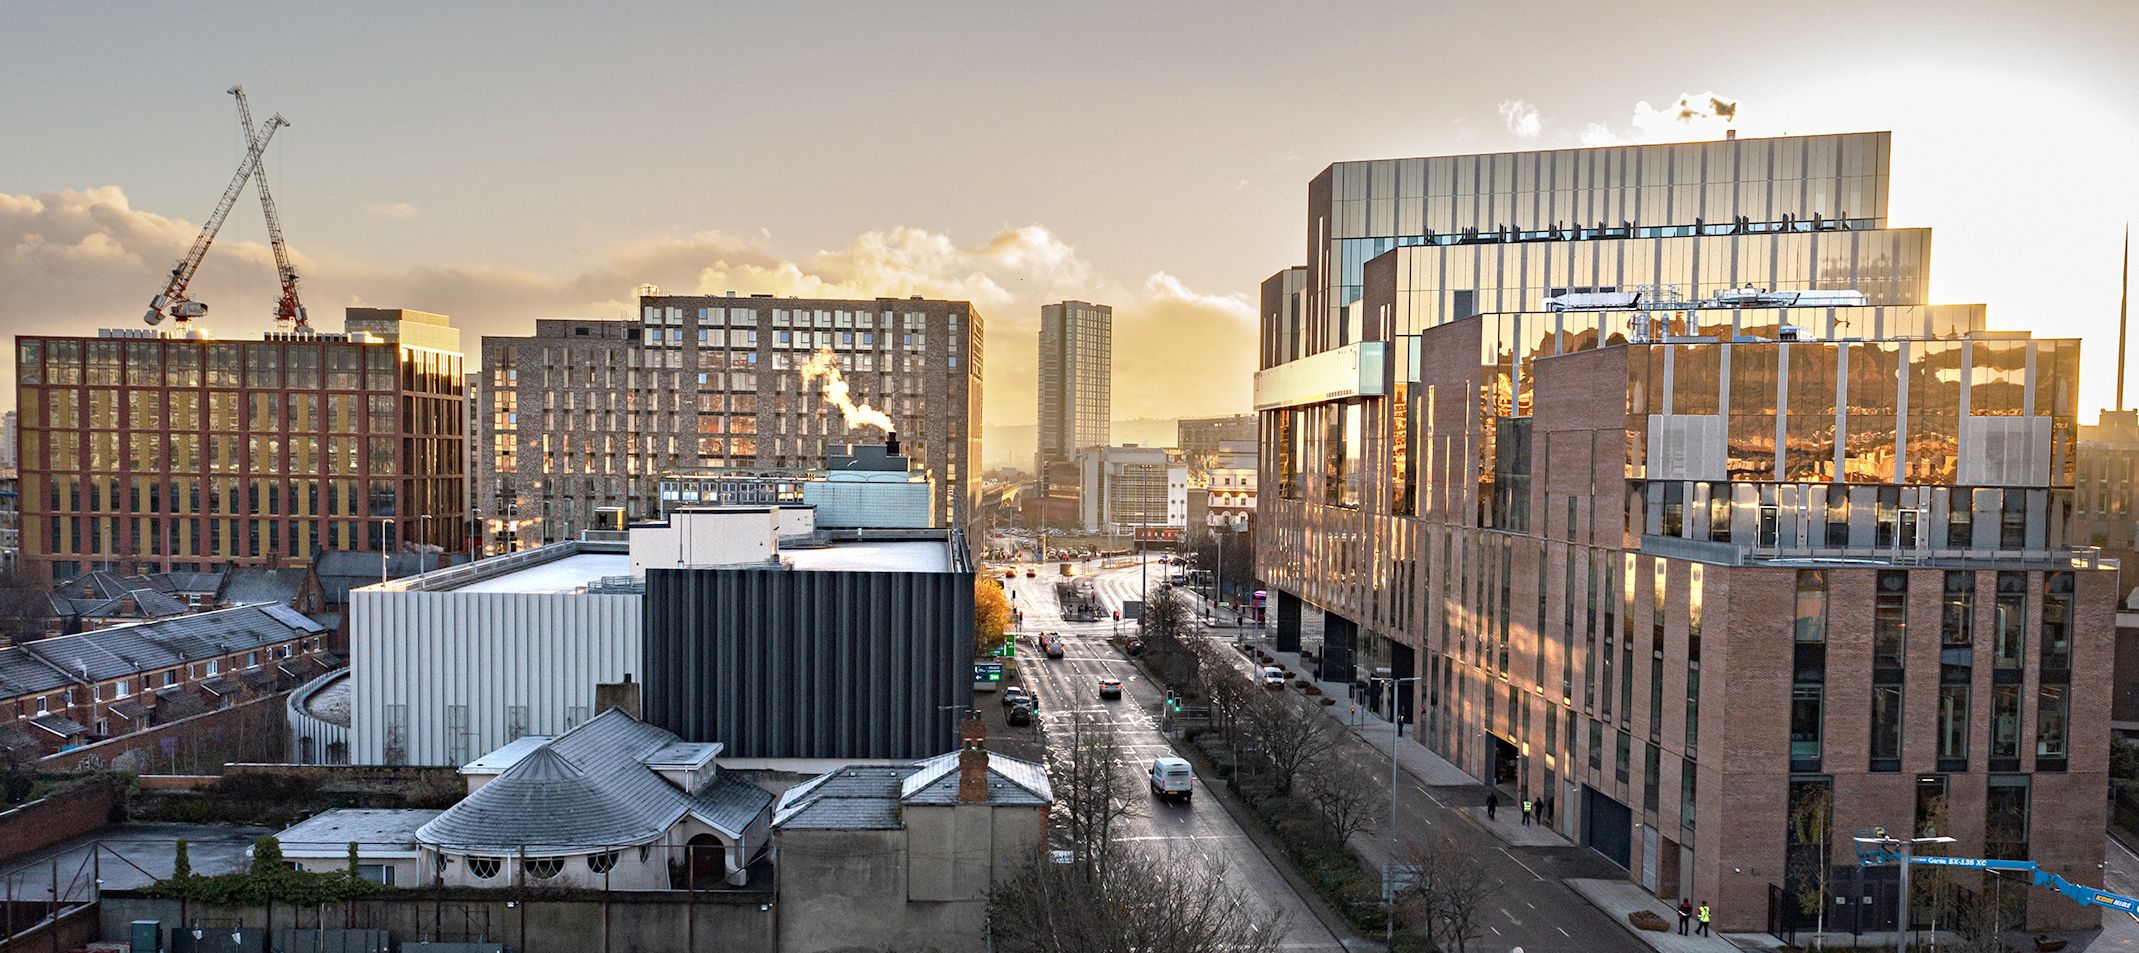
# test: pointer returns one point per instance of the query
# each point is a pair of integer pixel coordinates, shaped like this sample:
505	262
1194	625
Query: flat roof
329	834
898	556
497	761
576	571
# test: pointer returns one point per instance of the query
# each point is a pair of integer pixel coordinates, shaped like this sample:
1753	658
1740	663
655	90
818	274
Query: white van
1171	778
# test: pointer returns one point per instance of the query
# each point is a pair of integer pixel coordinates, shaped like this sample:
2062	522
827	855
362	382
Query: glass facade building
148	452
1641	461
1076	379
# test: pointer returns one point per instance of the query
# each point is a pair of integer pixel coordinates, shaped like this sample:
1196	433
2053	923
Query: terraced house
1657	489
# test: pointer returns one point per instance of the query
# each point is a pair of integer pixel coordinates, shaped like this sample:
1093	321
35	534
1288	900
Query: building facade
1076	379
585	418
1197	436
1633	467
1122	488
145	451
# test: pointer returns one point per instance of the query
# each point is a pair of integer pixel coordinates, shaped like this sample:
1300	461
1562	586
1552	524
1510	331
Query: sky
506	162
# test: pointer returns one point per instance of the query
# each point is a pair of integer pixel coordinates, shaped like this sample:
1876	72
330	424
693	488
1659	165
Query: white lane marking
1519	863
1563	930
1511	917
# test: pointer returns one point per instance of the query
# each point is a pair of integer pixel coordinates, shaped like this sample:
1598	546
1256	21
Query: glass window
1890	620
2050	723
2005	722
1807	706
1811	605
1886	728
2056	626
2009	635
1957	617
1952	724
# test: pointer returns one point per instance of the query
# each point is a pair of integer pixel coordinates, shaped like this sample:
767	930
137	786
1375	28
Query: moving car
1052	646
1020	716
1171	778
1014	695
1273	677
1029	574
1110	688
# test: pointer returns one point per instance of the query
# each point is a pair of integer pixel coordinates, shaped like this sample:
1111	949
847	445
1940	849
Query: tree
1446	894
1169	620
267	857
1093	791
1344	797
1810	817
1291	733
19	754
991	615
1180	904
25	607
181	861
354	869
1224	688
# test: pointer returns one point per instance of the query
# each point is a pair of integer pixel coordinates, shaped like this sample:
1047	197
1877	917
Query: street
1531	909
1068	688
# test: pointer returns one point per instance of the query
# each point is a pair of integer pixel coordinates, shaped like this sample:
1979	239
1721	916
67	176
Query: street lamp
425	534
1395	729
1902	847
386	535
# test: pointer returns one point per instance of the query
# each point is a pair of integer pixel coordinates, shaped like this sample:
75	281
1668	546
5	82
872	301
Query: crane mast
172	301
288	309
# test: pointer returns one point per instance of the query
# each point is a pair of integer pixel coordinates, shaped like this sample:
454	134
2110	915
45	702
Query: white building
458	661
1129	486
1229	475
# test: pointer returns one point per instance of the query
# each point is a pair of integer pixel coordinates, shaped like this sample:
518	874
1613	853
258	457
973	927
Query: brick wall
256	722
398	780
49	820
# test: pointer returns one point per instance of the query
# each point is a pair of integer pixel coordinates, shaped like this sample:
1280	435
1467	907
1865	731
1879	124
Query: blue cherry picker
1878	850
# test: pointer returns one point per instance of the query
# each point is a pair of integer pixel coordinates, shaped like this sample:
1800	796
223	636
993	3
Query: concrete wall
49	820
846	892
313	739
504	664
578	922
726	538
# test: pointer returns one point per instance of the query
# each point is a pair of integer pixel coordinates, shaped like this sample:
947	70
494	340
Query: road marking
1496	930
1519	863
1534	906
1511	917
1563	930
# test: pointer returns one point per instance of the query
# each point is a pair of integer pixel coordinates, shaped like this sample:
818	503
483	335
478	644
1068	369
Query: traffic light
1173	702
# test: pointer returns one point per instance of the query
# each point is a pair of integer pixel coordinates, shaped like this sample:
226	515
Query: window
1807	706
1890	624
1811	605
1886	727
2005	727
601	863
483	868
544	868
377	873
2050	715
1953	727
2057	626
2009	635
1687	789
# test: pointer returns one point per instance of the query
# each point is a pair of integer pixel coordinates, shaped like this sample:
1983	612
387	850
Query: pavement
1068	689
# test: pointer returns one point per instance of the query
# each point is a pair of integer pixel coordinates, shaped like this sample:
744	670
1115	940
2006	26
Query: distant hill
1012	444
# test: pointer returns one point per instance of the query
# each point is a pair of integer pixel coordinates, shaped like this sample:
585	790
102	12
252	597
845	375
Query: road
1530	909
1068	688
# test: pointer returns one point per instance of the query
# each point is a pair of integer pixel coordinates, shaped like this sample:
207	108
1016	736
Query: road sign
1158	534
987	671
1132	609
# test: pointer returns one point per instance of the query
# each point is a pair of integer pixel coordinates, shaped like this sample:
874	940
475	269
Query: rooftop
576	571
871	556
329	834
871	797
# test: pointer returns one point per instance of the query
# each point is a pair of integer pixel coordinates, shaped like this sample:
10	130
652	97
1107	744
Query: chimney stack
624	695
1730	135
891	443
973	760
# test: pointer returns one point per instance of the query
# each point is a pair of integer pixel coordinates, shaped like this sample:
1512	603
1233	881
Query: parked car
1110	688
1273	677
1019	716
1172	778
1134	646
1013	695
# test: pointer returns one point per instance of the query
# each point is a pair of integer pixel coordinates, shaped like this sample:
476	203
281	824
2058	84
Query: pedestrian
1492	804
1703	917
1526	812
1685	914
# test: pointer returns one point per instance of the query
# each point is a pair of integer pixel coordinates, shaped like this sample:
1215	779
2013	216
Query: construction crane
288	309
172	301
1878	851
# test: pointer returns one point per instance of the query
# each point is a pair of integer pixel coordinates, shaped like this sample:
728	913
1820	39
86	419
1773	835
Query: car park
1110	688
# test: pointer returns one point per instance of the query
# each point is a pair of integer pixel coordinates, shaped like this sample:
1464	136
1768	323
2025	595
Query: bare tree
25	608
1093	791
1810	819
1225	688
1177	904
1445	898
1345	797
1291	733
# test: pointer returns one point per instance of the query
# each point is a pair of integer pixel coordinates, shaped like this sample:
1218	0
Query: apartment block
145	451
1646	483
1076	379
584	418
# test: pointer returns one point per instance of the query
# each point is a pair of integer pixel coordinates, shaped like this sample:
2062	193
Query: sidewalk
1619	898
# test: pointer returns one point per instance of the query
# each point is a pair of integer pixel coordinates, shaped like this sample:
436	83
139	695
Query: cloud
1694	116
75	261
399	211
1522	118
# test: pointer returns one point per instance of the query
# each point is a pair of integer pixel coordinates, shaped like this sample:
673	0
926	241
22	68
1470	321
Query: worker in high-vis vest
1702	915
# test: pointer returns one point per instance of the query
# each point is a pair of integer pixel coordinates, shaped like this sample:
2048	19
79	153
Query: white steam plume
1522	118
825	364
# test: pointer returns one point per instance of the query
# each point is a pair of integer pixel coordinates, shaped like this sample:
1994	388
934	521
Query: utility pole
2124	298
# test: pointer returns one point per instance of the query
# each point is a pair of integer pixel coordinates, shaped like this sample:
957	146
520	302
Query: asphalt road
1530	909
1069	688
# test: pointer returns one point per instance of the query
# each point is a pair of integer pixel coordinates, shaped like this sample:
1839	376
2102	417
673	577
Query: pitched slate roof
128	649
60	725
870	797
589	789
23	673
340	570
147	604
254	586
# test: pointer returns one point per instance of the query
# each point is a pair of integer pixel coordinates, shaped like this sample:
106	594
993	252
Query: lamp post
386	535
424	525
1395	729
1903	847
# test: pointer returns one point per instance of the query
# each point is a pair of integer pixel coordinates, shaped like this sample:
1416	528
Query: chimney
624	695
891	443
973	760
127	604
1730	135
